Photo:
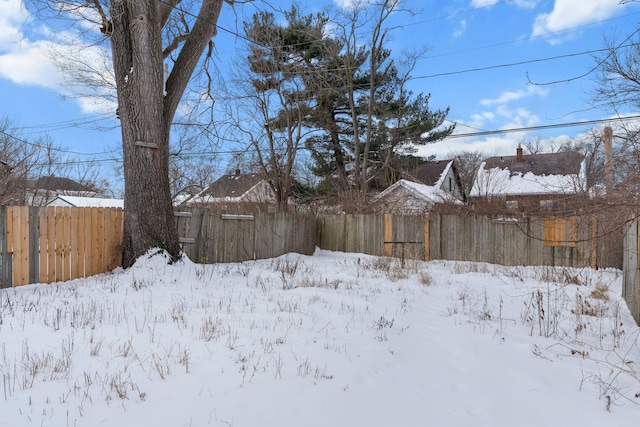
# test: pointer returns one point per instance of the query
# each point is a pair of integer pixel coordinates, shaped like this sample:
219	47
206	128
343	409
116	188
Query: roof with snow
86	202
58	183
232	185
534	174
431	173
406	197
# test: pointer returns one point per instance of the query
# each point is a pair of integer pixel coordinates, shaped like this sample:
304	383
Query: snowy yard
332	339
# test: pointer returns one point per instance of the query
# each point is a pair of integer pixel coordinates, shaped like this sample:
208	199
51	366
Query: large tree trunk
146	106
137	57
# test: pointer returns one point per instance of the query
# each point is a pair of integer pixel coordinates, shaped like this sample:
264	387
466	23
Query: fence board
59	245
631	270
80	243
19	229
6	258
51	244
34	247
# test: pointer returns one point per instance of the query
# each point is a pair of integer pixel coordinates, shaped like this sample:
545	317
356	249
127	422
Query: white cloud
462	28
520	118
568	14
12	16
509	96
483	3
30	64
352	4
502	116
28	60
488	146
529	4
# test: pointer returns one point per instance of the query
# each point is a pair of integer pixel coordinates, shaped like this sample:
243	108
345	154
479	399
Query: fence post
426	238
6	259
594	243
34	244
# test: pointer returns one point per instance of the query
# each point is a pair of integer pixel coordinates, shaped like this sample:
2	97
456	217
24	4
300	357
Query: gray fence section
506	241
522	241
631	279
6	259
351	233
213	237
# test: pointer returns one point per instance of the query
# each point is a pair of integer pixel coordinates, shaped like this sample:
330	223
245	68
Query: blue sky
462	35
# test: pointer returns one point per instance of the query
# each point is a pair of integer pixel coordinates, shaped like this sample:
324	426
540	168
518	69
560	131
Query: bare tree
467	164
372	15
193	163
275	93
24	160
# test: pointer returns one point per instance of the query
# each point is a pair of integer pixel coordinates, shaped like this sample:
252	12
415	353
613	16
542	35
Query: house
86	202
424	186
42	190
237	192
553	182
440	174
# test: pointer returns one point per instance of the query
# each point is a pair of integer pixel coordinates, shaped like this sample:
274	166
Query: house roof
426	193
430	173
534	174
58	183
232	185
565	163
86	202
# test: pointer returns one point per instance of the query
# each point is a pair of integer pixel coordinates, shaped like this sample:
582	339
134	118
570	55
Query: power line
46	147
543	127
459	135
553	33
514	64
240	36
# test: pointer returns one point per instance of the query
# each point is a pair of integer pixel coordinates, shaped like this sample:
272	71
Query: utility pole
608	166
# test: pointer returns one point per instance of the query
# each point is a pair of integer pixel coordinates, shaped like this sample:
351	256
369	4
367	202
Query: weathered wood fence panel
351	233
213	237
575	241
631	272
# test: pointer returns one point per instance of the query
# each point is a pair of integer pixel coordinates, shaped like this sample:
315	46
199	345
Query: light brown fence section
18	242
209	236
51	244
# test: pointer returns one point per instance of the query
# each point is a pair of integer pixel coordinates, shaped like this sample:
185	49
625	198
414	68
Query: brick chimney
519	156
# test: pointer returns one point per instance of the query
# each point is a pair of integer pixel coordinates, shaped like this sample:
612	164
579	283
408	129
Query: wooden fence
56	244
211	237
45	245
573	242
50	244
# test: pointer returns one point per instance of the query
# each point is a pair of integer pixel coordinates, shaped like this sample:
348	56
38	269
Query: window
512	205
546	205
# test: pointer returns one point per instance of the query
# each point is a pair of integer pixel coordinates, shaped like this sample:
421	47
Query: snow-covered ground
332	339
